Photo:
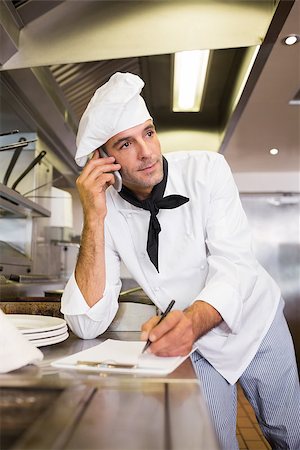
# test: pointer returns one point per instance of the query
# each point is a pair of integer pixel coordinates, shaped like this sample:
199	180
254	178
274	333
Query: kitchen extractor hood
53	68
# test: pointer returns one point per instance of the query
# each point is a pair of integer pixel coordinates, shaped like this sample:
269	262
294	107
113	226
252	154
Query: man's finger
179	351
167	324
147	327
96	154
179	337
94	171
177	342
98	171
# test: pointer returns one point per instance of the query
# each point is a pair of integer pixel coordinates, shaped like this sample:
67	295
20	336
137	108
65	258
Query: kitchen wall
274	220
285	181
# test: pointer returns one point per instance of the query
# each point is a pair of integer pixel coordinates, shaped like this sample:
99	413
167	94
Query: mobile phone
118	179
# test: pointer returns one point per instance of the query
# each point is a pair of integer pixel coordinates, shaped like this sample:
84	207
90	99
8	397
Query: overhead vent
79	81
29	10
18	3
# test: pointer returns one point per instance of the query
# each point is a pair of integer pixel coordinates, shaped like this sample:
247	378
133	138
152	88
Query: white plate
47	334
29	323
50	341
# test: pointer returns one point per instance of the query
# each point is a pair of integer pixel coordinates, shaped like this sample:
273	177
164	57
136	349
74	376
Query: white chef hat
115	107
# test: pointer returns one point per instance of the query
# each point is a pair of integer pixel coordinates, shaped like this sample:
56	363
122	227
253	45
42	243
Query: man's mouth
148	166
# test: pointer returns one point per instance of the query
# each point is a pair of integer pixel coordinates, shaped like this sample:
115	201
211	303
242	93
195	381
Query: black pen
148	343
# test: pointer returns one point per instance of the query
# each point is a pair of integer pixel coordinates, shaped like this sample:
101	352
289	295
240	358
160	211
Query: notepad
117	356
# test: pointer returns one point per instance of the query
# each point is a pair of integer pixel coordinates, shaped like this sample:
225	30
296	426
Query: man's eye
125	145
150	133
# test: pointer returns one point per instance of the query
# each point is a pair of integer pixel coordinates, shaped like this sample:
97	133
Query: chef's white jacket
205	253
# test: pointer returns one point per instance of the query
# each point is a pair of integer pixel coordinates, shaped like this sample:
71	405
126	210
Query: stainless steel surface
112	412
15	145
12	289
7	133
12	163
274	220
13	259
19	409
134	295
131	315
33	163
14	203
132	290
45	375
32	278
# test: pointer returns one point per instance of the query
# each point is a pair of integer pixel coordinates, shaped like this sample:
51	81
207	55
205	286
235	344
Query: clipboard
125	357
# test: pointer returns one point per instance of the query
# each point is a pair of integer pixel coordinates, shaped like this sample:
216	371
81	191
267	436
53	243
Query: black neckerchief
154	203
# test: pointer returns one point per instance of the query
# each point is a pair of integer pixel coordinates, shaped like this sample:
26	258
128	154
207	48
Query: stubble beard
143	181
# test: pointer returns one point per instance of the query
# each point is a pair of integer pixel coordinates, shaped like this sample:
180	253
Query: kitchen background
54	54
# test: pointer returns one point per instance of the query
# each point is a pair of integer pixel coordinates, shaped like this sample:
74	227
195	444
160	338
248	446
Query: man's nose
144	150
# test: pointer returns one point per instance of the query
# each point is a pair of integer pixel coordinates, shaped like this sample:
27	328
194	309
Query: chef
178	226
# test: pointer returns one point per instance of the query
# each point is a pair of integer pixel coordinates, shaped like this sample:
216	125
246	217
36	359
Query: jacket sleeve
86	322
232	266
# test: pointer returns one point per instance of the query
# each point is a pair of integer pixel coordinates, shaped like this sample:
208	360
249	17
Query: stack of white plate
40	330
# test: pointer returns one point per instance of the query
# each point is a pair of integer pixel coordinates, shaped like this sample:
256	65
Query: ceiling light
274	151
291	39
190	69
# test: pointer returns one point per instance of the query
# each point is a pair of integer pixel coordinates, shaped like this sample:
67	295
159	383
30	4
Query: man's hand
92	183
177	332
172	337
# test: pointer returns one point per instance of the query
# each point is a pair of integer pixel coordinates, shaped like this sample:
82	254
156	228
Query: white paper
121	352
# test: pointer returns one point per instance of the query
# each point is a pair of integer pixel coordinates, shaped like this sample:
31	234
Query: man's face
138	151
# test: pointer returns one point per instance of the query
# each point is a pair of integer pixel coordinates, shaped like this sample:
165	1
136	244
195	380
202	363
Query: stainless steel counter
74	410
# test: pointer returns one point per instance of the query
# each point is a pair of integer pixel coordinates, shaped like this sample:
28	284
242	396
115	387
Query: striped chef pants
270	383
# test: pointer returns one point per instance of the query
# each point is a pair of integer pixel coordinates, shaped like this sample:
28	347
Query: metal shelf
13	204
